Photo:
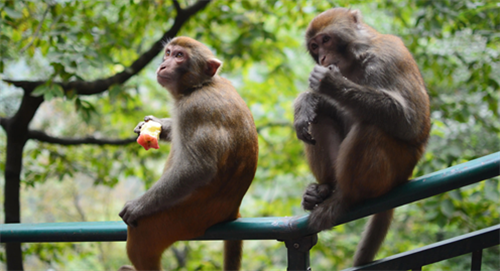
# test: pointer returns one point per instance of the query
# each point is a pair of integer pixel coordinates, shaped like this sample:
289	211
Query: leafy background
455	43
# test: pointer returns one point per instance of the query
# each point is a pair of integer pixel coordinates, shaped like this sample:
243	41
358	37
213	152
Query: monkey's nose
322	61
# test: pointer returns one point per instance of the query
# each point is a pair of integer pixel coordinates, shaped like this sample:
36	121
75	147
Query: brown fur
366	120
214	136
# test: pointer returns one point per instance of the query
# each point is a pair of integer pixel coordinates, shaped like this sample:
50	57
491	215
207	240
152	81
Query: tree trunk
17	135
13	167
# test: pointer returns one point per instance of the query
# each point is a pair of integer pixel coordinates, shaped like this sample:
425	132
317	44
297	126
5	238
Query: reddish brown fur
210	120
366	120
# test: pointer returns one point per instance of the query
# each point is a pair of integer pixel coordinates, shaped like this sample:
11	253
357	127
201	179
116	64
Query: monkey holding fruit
365	121
212	160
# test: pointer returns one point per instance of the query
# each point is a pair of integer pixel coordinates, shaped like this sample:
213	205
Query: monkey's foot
315	194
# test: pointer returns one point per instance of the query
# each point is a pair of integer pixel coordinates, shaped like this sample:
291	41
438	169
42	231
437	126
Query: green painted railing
292	230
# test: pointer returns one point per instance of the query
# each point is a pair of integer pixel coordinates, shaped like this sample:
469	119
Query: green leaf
14	14
491	190
447	208
40	90
48	90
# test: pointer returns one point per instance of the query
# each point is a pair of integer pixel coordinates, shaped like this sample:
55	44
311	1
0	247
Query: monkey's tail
232	254
373	236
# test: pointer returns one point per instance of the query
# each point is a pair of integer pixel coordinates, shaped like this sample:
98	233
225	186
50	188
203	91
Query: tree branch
3	123
177	6
43	137
101	85
37	31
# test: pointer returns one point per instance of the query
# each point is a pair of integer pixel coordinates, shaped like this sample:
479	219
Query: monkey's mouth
163	80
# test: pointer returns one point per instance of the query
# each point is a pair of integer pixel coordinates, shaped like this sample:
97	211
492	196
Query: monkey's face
175	63
329	49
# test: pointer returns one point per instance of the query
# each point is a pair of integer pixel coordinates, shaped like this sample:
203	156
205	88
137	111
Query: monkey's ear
356	16
213	65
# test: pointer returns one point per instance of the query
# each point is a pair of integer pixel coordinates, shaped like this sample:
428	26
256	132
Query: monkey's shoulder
389	48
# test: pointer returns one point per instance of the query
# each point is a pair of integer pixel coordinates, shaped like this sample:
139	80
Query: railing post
298	252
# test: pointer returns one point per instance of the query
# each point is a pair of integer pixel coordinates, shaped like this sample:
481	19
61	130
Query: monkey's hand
315	194
324	79
304	115
302	130
166	127
131	212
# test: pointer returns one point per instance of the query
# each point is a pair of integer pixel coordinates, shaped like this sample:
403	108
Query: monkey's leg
149	239
322	157
370	164
144	248
233	249
232	254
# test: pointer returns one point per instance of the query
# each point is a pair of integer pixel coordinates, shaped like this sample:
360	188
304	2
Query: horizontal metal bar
104	231
270	228
429	185
436	252
281	228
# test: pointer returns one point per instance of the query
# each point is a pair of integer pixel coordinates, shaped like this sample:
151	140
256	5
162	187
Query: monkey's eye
179	54
314	46
326	39
167	53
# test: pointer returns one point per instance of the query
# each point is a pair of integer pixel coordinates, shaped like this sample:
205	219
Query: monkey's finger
316	76
122	213
305	135
312	187
137	128
310	202
153	118
307	138
321	69
324	191
308	206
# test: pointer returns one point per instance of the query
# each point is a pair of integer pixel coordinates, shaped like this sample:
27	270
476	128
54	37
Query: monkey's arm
388	108
307	106
166	127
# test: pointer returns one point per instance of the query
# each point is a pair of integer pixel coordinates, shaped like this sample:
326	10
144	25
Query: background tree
57	28
77	81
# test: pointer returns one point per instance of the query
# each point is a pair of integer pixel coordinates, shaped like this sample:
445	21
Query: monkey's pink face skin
327	48
174	60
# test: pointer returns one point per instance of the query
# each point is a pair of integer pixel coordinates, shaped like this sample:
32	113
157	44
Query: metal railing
298	238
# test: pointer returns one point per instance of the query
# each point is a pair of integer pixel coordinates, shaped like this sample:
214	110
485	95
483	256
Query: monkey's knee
315	194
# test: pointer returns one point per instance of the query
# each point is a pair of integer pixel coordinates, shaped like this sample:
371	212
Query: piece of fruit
150	133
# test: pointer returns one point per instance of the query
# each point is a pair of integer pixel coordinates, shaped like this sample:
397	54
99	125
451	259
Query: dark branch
43	137
101	85
3	123
177	6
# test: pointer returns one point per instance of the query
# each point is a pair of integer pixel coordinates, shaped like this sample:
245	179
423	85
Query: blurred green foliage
455	42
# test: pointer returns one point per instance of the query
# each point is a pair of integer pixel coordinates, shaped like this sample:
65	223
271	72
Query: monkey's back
225	125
